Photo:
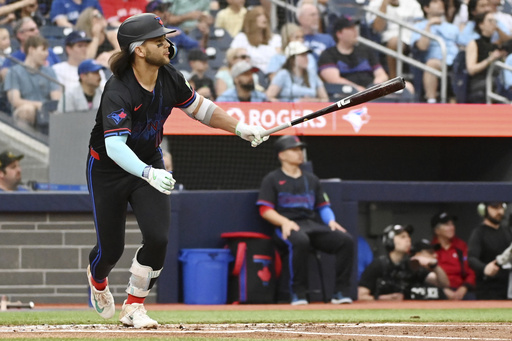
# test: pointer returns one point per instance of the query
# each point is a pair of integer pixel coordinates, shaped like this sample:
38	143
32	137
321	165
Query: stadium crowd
311	52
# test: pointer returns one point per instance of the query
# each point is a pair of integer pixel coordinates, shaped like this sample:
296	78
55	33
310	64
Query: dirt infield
288	331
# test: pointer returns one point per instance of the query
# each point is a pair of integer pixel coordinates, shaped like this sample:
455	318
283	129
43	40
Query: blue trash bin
205	275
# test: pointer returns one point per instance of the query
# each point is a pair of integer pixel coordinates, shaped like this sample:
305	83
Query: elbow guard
201	109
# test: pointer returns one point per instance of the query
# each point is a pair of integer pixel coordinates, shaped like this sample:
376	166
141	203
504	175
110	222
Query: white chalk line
215	329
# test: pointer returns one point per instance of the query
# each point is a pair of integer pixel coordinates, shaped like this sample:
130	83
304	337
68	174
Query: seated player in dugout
393	276
294	201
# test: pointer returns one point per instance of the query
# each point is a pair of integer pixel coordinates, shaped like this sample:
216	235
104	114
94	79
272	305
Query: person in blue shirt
293	83
308	17
10	172
244	90
65	13
469	33
435	23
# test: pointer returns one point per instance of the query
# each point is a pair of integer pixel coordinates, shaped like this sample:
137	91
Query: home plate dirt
327	331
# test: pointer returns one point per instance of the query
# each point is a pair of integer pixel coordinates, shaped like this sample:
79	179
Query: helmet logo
159	21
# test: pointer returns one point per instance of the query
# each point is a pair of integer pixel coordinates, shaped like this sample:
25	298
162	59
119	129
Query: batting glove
160	179
251	133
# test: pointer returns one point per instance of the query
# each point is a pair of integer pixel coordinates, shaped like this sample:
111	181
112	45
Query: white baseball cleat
101	300
135	315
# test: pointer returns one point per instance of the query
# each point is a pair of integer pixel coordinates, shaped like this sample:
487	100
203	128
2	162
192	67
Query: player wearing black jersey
293	200
125	160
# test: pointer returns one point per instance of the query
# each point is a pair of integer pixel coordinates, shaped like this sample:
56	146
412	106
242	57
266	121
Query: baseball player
125	164
293	200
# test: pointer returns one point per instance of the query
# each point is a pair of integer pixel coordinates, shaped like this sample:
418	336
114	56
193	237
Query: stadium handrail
33	70
490	94
400	57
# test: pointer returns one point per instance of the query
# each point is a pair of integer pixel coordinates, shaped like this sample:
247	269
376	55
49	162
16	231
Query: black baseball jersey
293	198
129	109
384	277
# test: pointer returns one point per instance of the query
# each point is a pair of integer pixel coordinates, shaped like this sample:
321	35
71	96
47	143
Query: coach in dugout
293	200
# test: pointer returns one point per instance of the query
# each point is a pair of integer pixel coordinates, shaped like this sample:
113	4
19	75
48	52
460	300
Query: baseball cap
8	157
76	37
242	67
294	48
89	65
197	54
344	22
157	5
287	142
423	244
441	218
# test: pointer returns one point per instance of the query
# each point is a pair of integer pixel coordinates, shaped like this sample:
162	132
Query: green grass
269	316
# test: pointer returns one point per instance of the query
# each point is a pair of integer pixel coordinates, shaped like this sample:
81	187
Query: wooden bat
374	92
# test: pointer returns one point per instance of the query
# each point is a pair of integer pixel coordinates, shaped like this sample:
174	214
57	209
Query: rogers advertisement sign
369	119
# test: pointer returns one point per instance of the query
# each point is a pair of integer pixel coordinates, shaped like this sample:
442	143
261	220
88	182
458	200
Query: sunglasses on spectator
244	56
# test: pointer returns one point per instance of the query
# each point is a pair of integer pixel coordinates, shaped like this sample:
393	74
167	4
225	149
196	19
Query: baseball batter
293	200
125	166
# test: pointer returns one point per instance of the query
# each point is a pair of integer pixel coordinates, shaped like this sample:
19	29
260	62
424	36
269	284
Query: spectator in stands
469	32
435	23
76	44
23	29
425	291
309	20
294	201
198	61
480	53
293	83
452	254
87	94
391	276
116	11
290	32
496	7
103	41
8	10
10	172
349	63
257	38
408	11
186	14
487	241
456	12
27	90
223	78
5	44
244	89
31	10
232	17
65	13
179	38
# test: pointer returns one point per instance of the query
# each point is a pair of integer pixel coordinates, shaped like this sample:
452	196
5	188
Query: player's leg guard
141	278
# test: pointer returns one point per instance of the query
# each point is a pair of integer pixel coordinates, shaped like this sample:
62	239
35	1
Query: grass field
409	320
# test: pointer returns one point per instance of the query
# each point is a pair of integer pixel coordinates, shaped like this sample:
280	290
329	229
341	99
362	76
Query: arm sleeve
118	151
326	214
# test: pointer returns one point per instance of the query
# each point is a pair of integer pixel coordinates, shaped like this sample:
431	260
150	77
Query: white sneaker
135	315
102	301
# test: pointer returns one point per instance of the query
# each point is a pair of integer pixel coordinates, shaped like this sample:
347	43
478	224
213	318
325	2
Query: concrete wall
43	257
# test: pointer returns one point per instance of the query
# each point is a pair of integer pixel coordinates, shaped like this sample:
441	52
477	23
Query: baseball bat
374	92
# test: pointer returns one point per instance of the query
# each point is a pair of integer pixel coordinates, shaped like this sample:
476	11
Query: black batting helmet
141	27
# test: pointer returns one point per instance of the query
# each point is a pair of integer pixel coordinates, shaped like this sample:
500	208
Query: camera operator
393	275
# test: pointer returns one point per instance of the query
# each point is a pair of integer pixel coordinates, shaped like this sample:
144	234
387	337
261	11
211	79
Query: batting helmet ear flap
482	209
173	50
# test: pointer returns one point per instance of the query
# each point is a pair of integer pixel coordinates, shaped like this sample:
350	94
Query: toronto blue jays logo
117	116
159	21
357	118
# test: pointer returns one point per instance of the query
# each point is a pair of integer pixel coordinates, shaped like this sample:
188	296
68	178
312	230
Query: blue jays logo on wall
357	118
117	116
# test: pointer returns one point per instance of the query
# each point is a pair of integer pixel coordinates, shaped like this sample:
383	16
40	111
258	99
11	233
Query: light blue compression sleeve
118	151
326	214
